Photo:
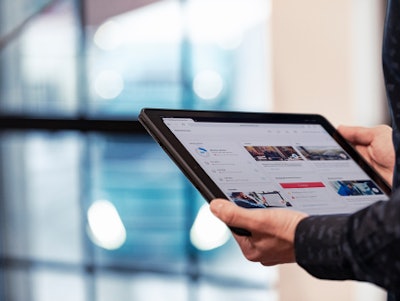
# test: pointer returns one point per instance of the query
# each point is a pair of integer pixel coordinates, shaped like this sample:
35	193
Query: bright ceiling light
208	84
108	84
105	227
225	19
208	232
108	36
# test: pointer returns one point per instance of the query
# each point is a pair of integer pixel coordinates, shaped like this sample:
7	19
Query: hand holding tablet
375	146
272	231
266	160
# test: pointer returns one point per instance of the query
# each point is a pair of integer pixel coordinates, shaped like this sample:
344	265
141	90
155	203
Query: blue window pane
39	66
198	55
147	191
14	13
54	229
91	216
41	217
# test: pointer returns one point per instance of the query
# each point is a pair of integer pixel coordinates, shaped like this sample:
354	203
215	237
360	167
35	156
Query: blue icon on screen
202	152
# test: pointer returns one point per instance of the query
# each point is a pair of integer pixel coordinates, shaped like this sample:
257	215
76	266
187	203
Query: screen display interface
278	165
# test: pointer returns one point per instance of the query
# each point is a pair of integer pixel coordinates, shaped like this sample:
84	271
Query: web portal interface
261	165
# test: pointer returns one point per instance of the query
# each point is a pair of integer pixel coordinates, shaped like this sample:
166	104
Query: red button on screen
302	185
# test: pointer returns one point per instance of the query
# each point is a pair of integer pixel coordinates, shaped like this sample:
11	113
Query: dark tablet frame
152	120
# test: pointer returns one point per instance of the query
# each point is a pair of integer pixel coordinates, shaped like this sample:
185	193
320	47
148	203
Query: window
74	159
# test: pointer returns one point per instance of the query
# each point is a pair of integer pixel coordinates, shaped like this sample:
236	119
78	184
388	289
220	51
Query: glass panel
198	55
147	190
38	69
88	216
227	262
142	287
237	292
135	61
14	13
110	215
48	285
229	54
40	188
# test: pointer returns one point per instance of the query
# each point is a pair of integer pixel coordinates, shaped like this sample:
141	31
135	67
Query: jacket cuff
319	244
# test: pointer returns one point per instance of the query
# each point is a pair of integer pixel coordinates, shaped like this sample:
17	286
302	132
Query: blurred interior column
326	59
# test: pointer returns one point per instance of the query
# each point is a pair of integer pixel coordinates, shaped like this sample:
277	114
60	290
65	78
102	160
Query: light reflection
139	26
231	42
108	36
225	23
108	84
105	225
225	19
208	232
208	84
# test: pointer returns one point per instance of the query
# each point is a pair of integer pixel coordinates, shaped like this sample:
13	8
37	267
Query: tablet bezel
152	120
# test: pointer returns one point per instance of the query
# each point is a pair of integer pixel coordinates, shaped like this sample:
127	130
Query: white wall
326	60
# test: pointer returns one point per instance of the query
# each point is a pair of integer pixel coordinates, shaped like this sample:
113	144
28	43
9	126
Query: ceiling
97	11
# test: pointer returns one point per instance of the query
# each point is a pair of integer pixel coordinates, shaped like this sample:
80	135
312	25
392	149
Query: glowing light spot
232	41
108	36
208	84
109	84
105	227
240	17
208	232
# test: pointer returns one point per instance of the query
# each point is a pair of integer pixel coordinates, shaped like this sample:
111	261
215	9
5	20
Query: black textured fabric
391	69
363	246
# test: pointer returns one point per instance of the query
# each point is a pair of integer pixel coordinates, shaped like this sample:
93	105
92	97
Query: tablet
264	160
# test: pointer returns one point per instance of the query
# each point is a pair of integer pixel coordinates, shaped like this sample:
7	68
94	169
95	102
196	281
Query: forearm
364	246
319	243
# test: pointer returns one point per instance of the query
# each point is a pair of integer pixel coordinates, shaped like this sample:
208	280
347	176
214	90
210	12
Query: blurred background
91	209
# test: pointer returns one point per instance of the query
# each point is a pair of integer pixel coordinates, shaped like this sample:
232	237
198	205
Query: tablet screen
285	165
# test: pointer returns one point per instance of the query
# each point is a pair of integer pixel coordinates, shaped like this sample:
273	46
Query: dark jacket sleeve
363	246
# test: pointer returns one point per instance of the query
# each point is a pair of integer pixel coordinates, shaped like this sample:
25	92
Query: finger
356	134
231	214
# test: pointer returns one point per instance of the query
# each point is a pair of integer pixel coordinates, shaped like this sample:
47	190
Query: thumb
230	213
356	134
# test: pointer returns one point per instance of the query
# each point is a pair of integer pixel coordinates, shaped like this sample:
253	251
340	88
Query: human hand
272	231
375	145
